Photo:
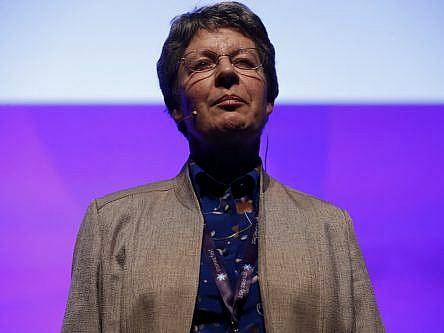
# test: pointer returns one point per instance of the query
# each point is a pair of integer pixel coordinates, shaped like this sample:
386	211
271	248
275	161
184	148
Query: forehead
220	40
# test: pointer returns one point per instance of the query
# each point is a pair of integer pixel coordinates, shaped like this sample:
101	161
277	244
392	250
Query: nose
226	75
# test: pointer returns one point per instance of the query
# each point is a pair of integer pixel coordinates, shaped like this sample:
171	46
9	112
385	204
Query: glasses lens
205	60
201	61
247	59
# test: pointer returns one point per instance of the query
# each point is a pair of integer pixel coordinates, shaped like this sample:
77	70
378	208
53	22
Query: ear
177	115
269	108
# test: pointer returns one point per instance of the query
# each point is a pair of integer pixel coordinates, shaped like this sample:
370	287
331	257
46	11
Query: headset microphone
192	115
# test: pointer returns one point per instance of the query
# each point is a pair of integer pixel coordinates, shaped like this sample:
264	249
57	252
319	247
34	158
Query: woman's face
231	103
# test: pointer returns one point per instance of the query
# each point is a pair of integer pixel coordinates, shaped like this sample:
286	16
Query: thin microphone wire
266	152
191	115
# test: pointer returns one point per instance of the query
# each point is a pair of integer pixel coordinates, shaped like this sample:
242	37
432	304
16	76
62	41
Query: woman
222	247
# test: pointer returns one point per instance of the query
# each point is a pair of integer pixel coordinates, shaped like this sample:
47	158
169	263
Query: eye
246	59
244	62
200	64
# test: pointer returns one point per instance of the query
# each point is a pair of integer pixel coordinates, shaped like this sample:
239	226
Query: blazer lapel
288	268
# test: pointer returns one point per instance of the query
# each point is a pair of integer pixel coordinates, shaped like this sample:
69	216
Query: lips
229	100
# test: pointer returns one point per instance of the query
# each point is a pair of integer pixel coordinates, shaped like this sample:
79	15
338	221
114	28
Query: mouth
229	102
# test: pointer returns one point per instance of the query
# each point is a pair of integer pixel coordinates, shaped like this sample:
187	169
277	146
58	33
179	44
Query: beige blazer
137	258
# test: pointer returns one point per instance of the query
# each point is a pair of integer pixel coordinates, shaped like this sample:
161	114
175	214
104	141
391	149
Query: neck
226	163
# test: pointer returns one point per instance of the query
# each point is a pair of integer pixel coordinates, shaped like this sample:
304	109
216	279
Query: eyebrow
217	53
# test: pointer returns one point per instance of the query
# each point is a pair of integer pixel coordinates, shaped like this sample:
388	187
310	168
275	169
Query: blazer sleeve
82	309
366	314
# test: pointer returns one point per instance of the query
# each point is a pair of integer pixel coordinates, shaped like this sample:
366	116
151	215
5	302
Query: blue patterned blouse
228	211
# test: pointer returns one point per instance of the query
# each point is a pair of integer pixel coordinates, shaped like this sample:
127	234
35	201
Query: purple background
383	163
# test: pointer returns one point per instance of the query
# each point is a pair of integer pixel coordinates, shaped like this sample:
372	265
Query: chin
230	126
233	121
234	132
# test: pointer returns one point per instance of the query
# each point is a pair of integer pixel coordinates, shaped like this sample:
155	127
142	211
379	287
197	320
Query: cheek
255	87
197	87
193	92
259	101
197	98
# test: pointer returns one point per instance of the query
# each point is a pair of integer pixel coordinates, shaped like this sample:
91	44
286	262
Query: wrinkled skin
226	132
199	91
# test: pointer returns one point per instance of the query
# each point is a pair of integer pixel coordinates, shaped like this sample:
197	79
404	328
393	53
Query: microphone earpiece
192	115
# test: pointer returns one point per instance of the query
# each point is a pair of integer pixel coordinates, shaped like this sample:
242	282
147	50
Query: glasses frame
230	56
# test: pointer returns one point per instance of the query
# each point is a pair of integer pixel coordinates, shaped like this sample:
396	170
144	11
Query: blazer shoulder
310	203
160	186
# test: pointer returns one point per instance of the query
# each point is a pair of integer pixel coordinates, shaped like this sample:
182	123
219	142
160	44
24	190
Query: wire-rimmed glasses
206	60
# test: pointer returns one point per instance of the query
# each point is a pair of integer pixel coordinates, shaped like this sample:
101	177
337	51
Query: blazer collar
185	191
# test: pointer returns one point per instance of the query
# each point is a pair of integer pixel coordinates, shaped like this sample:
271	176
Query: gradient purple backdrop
383	163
